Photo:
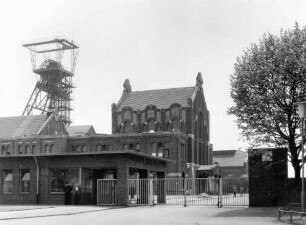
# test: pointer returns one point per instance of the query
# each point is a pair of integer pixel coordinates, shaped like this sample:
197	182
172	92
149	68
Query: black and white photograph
152	112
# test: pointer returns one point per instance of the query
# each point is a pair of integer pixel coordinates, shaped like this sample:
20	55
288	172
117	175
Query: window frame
11	186
22	173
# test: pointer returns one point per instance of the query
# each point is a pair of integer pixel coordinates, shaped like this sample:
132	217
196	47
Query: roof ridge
7	117
162	89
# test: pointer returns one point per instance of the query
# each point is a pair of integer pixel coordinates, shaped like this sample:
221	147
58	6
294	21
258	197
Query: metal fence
106	192
235	191
189	191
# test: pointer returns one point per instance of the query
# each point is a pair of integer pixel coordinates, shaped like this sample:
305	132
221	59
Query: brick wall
119	163
267	177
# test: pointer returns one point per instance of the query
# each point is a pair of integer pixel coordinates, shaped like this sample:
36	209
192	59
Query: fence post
185	192
221	191
290	216
151	198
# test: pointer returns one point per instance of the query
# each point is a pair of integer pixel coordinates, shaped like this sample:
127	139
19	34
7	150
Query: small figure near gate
241	190
234	190
67	190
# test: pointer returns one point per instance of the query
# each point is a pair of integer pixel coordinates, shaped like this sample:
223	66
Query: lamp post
218	176
302	114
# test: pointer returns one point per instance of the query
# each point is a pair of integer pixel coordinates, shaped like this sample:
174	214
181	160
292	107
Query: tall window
33	149
127	127
2	150
138	147
176	124
27	149
7	149
46	148
160	150
51	148
131	146
84	148
151	125
125	147
153	148
7	181
20	149
25	180
57	180
98	148
166	151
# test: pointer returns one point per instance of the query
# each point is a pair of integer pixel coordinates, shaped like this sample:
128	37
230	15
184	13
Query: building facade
157	133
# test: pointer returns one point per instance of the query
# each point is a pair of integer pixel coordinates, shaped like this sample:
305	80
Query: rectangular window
7	181
25	179
57	180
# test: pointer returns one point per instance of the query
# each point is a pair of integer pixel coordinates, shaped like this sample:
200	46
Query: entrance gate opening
198	191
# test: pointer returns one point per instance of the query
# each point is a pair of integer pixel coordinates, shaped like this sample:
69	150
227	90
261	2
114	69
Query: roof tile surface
161	98
20	126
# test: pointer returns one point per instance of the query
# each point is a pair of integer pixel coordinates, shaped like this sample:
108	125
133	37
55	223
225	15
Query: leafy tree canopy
268	79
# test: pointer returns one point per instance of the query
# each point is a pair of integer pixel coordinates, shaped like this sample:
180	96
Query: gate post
185	192
221	191
151	197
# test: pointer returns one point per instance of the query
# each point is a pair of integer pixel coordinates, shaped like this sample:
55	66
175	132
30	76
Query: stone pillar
122	183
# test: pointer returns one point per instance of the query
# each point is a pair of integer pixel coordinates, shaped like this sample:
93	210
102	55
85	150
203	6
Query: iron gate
189	191
106	192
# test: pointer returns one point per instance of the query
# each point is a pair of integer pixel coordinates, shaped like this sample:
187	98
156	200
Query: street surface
160	215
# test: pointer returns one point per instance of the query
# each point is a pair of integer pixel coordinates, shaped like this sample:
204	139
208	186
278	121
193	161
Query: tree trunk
295	161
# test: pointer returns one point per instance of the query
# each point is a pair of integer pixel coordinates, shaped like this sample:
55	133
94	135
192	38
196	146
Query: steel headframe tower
55	69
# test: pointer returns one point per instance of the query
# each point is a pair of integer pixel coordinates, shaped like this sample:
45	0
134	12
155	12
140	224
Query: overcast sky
154	43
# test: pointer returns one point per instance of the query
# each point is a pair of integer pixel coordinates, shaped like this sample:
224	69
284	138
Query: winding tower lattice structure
54	61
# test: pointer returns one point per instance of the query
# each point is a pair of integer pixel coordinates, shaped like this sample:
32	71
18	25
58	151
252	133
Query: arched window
151	125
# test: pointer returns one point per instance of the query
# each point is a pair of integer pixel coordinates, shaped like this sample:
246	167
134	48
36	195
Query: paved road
161	215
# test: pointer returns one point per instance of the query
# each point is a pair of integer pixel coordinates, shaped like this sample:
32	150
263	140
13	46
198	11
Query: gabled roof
21	126
80	130
230	157
161	98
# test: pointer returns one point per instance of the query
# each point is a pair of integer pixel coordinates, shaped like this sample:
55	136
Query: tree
268	79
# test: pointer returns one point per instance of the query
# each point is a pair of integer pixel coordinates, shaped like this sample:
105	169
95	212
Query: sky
154	43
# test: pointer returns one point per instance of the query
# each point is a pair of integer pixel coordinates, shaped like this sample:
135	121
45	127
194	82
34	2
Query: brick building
232	163
159	133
